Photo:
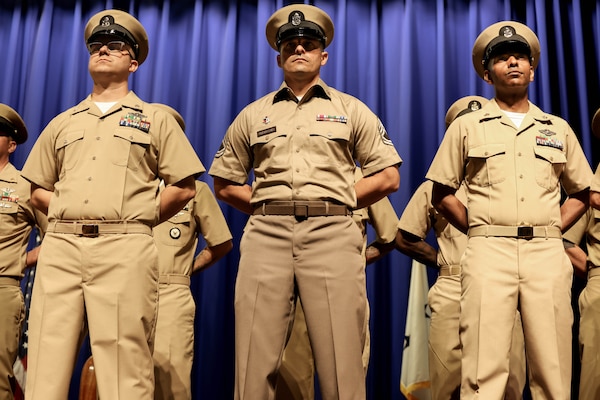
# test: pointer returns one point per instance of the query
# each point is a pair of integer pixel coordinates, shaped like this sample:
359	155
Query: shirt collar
320	89
130	101
492	111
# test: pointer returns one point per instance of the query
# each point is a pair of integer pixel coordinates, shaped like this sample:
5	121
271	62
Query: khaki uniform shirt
304	150
512	175
587	226
108	166
17	219
176	238
419	217
382	216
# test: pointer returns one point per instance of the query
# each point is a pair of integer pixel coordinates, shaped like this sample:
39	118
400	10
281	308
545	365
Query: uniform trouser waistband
95	228
302	209
178	279
9	280
519	232
449	270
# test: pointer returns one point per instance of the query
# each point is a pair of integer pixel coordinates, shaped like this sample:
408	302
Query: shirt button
89	178
521	176
85	201
97	137
522	199
94	157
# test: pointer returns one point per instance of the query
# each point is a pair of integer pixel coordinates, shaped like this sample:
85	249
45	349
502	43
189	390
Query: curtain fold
408	60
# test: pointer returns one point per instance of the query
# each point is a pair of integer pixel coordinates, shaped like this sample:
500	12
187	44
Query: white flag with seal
414	376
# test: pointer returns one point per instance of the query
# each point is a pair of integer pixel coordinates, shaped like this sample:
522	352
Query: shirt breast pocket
272	147
8	217
486	164
549	165
330	146
68	149
129	148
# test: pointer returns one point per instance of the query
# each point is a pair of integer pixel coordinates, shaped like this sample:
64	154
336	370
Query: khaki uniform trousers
110	279
297	371
322	257
12	314
589	337
444	341
502	274
174	341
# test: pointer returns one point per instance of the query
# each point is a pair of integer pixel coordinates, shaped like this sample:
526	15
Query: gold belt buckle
89	230
525	232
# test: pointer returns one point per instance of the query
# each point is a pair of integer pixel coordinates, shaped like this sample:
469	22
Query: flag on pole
20	365
414	376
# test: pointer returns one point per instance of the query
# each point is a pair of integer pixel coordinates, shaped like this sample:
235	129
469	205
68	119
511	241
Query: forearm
210	255
375	187
417	249
377	250
40	198
32	257
447	204
174	197
236	195
573	208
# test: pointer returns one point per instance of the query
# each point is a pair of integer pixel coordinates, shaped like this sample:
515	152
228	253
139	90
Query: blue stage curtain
406	59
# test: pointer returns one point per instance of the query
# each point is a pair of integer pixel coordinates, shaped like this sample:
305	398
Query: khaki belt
519	232
9	281
174	279
592	270
302	209
449	270
96	228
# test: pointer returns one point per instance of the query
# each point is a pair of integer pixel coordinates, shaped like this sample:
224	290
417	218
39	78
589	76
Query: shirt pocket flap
551	155
487	150
69	138
133	135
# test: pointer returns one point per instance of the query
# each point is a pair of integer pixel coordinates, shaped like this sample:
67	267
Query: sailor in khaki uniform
588	228
96	169
513	159
17	219
176	240
418	219
296	375
302	142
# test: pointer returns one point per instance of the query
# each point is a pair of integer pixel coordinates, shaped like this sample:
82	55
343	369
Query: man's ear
531	74
324	57
487	77
279	60
133	65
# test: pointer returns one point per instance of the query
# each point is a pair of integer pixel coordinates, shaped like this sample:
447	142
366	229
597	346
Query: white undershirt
104	106
516	118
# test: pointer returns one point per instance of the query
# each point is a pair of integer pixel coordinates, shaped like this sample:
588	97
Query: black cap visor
502	45
304	29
